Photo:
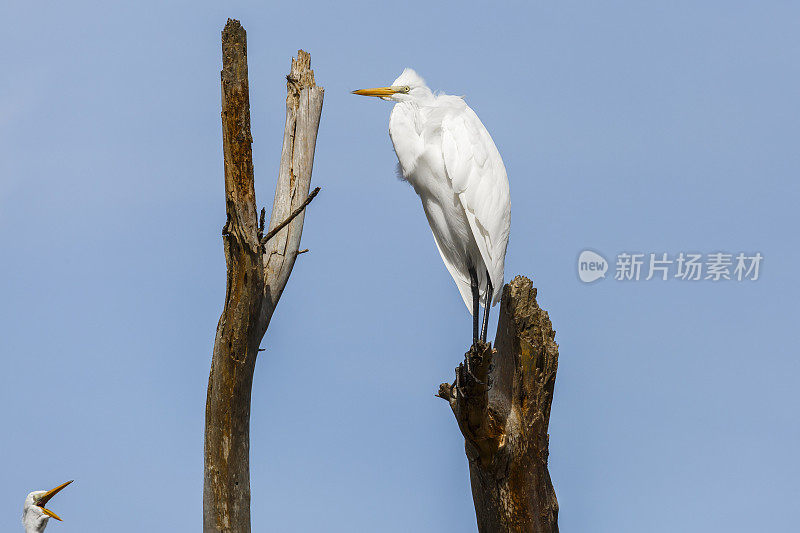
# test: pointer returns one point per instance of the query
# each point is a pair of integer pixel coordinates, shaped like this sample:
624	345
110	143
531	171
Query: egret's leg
473	278
487	307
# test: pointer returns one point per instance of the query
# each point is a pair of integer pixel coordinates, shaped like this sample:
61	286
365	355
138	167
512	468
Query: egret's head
34	514
408	86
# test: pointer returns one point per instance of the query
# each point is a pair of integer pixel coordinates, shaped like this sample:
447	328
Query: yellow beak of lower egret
377	91
51	514
44	498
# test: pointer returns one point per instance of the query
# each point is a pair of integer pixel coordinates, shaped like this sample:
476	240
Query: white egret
451	161
34	514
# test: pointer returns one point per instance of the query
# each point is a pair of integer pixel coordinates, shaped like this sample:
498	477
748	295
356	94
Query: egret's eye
406	88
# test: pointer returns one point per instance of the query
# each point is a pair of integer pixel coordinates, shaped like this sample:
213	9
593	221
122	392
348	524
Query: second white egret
449	158
34	513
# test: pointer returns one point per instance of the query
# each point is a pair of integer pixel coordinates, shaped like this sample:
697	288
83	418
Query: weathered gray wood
501	400
303	110
255	280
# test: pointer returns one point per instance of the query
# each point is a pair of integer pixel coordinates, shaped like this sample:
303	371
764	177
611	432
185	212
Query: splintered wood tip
233	29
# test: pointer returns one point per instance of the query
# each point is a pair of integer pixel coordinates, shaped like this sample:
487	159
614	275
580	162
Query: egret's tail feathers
463	283
466	293
497	294
465	290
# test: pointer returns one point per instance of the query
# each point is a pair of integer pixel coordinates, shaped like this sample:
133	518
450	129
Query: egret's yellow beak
44	498
377	91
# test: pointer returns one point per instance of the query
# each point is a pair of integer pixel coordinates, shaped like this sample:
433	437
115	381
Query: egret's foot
478	347
474	378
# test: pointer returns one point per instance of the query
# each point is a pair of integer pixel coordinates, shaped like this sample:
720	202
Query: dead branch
256	275
274	231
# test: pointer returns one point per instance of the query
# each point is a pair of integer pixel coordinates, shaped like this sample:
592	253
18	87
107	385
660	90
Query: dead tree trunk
258	269
501	399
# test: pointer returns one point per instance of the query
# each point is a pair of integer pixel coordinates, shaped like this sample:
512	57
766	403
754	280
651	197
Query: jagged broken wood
256	273
501	399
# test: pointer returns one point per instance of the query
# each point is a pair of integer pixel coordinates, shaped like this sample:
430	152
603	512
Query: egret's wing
476	170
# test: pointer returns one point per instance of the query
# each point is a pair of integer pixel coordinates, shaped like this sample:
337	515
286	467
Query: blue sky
625	126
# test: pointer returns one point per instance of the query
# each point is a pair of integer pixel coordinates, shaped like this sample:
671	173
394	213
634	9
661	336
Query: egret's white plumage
447	155
35	515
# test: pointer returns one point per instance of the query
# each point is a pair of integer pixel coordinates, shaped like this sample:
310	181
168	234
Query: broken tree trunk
258	269
501	400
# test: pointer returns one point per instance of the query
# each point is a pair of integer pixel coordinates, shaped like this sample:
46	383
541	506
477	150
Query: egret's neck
34	523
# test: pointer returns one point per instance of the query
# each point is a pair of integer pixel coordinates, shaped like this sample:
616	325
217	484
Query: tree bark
256	272
501	400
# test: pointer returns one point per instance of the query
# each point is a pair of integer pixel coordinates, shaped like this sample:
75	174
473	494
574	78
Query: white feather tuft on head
409	77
